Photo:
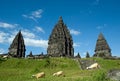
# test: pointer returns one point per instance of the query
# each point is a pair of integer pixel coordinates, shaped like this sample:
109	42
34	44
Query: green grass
22	69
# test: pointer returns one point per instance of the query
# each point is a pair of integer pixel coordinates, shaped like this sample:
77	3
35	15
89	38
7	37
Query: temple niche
102	48
17	48
60	41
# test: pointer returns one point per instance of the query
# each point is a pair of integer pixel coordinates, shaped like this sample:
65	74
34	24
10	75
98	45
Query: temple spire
19	31
102	48
100	37
60	41
17	48
60	20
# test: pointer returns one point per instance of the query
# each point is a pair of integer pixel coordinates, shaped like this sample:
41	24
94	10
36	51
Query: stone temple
17	48
60	41
102	48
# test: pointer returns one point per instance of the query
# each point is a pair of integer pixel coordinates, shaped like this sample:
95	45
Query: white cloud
39	29
30	39
30	17
37	13
2	51
28	34
84	54
101	26
96	2
76	53
76	44
3	37
74	32
34	15
7	25
36	42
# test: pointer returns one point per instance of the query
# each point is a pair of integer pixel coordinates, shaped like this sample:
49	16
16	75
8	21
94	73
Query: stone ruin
78	56
60	42
114	74
37	56
102	48
84	63
17	48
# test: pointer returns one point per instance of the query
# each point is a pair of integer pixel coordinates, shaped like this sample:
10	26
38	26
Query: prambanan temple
60	41
17	48
102	48
60	44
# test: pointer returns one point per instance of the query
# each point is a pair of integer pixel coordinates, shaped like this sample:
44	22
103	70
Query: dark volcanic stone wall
60	41
17	48
102	48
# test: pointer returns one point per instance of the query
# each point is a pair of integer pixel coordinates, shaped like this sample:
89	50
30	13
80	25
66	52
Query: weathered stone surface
102	48
60	41
114	74
37	56
112	58
85	63
17	48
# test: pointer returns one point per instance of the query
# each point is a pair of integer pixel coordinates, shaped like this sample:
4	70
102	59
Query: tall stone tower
60	41
102	48
17	48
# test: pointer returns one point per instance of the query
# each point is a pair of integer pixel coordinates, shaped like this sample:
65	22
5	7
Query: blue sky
84	18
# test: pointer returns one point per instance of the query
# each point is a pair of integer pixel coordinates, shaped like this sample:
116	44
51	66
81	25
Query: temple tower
60	41
102	48
17	48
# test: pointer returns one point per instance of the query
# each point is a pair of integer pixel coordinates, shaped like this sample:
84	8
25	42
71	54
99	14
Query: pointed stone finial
19	33
60	20
60	17
20	30
101	36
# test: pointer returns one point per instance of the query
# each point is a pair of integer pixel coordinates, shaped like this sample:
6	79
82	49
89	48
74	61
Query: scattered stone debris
114	74
39	56
112	58
85	63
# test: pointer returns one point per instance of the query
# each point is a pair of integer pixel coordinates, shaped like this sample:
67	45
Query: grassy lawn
22	69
